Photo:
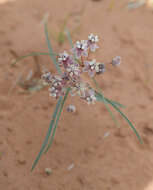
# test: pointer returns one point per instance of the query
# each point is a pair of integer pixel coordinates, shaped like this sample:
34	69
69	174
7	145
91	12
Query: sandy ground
117	162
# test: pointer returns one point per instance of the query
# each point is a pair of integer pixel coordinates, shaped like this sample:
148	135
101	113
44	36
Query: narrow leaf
98	96
101	96
116	103
58	117
48	134
69	37
128	121
51	53
28	55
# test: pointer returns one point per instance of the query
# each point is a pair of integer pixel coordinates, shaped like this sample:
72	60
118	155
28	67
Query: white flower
80	49
81	44
100	68
90	96
90	67
92	42
73	71
93	38
63	57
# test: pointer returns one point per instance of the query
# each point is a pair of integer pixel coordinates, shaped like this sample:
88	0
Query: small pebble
48	171
21	161
5	173
106	134
70	167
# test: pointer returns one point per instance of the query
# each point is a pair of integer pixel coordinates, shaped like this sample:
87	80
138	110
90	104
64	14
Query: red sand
117	162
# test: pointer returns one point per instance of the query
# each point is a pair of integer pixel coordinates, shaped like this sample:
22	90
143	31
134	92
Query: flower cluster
73	65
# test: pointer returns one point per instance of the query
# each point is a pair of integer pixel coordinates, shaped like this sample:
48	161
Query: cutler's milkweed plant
70	67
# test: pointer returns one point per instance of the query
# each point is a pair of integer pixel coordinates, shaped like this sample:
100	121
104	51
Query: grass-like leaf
48	134
124	116
69	37
100	99
116	106
116	103
51	53
28	55
57	119
61	35
104	101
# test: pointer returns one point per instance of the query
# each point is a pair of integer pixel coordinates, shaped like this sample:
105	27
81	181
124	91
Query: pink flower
92	42
80	49
90	67
65	59
116	61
